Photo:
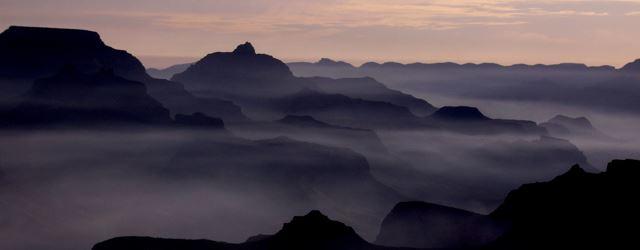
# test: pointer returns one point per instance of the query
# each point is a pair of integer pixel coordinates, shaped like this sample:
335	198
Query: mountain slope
632	67
470	120
350	112
73	98
564	126
369	89
577	209
168	72
30	53
313	231
427	225
238	74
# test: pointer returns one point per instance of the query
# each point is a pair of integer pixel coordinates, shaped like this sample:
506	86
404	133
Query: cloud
344	14
633	13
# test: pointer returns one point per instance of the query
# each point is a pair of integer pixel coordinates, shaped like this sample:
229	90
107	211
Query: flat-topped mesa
34	37
462	113
30	53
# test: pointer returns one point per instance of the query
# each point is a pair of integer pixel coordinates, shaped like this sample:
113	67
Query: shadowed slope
313	231
30	53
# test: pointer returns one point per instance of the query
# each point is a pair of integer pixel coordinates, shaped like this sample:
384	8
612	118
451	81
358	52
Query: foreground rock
427	225
313	231
576	210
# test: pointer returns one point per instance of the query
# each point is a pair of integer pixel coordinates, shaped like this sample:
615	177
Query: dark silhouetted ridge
74	98
368	88
332	63
198	120
314	231
19	36
303	120
238	74
30	53
578	209
426	225
245	49
461	113
632	66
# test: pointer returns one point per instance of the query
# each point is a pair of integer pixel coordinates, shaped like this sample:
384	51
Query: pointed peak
574	171
245	49
317	215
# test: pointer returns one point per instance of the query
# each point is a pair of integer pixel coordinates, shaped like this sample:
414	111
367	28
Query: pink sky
163	32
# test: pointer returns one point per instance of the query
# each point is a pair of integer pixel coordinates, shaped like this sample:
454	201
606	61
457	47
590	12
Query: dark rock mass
578	210
74	98
469	120
239	74
314	231
198	120
30	53
632	67
459	113
369	89
427	225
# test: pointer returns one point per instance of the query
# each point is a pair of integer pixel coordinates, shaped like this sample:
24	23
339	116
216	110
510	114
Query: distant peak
326	60
576	169
245	49
632	66
316	225
331	62
577	122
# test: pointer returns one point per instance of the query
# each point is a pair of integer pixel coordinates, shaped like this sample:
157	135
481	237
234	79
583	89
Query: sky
164	32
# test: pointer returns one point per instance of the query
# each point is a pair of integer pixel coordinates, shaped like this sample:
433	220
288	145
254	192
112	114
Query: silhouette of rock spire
245	49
